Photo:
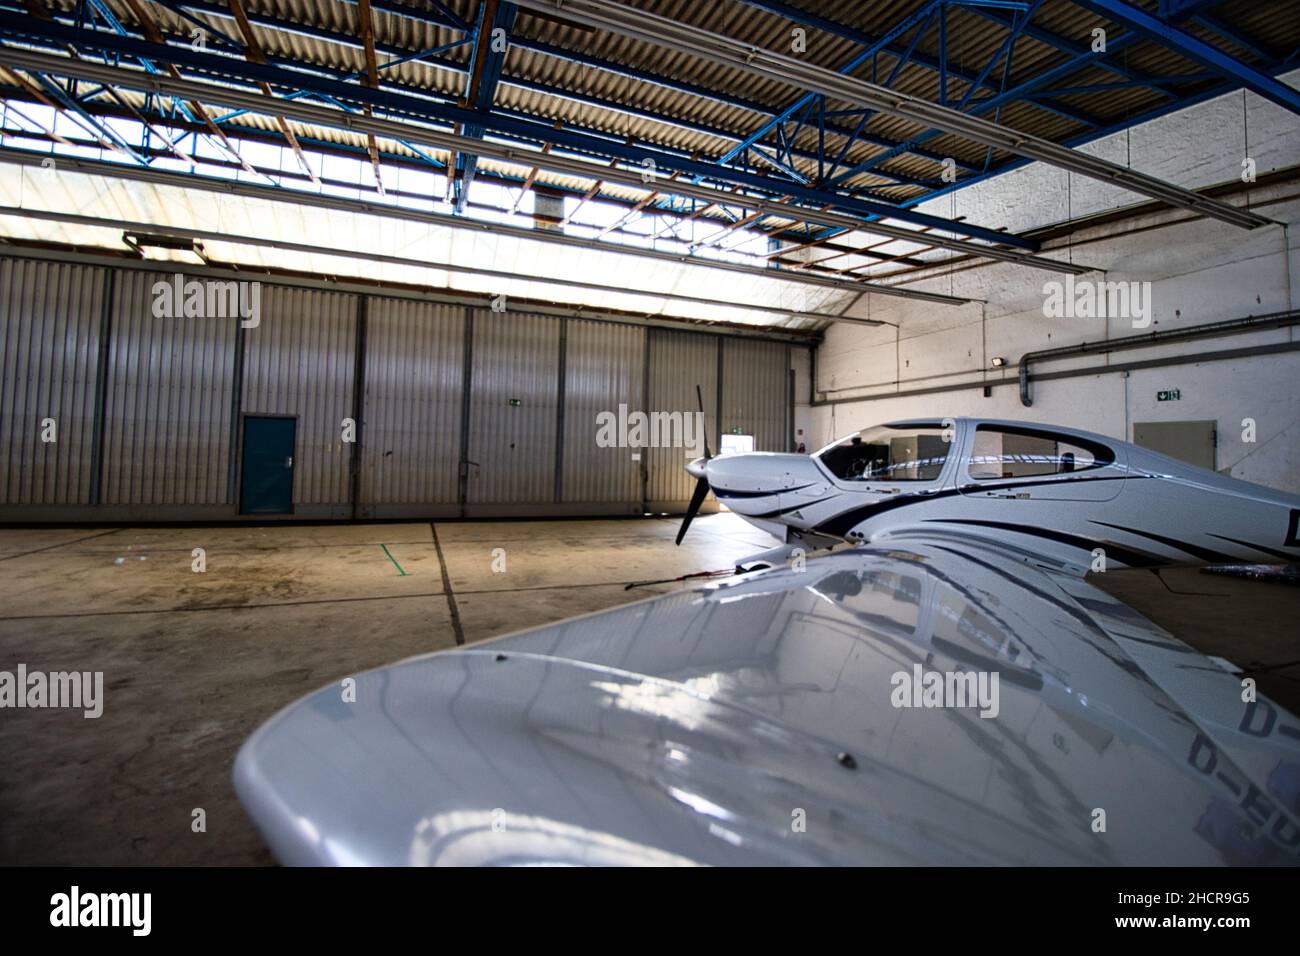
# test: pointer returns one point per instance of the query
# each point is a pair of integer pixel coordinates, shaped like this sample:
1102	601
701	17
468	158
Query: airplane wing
809	715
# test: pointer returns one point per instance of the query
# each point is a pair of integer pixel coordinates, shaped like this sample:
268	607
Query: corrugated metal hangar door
338	403
51	317
167	413
756	395
299	363
410	434
514	399
746	380
604	368
679	361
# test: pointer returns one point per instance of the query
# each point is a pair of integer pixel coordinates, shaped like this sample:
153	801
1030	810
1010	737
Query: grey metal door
1192	442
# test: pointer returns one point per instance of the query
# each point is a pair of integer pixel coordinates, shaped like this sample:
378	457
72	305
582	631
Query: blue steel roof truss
804	154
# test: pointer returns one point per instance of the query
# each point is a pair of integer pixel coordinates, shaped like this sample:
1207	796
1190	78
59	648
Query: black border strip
1131	557
1205	554
101	387
1258	547
840	525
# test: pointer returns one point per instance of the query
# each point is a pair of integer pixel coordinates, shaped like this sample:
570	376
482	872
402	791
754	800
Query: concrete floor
1252	624
194	662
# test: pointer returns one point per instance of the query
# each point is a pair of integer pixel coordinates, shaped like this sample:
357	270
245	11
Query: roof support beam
440	15
1048	38
433	58
862	56
187	8
1019	92
316	249
253	51
617	69
338	119
889	44
492	39
273	137
296	197
371	79
150	27
727	51
807	199
1196	50
38	94
1235	37
66	104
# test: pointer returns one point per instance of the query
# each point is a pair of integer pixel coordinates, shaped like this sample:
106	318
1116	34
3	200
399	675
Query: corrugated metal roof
973	37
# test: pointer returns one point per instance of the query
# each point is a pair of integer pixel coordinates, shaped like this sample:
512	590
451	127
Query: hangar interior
312	313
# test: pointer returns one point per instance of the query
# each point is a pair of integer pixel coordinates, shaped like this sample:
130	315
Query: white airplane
950	690
1067	497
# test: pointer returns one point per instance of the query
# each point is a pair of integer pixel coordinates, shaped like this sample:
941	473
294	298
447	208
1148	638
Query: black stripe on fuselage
725	493
1258	547
1131	557
1195	550
786	511
840	525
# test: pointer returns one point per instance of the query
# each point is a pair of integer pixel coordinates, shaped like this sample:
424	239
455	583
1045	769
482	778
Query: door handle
288	462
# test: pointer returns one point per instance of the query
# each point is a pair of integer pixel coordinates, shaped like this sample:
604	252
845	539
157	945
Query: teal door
266	487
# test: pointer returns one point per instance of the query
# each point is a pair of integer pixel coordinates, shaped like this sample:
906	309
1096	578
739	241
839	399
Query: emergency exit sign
1169	395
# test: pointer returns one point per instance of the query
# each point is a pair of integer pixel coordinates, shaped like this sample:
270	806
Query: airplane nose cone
696	468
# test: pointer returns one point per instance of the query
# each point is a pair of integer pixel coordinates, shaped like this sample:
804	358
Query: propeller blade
704	427
697	499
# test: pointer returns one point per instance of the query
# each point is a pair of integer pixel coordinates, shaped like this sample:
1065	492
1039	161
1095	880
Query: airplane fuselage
1125	507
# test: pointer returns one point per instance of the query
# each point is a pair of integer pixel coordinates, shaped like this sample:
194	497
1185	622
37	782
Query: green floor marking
400	572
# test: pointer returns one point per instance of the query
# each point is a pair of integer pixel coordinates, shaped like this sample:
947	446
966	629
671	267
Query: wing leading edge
785	718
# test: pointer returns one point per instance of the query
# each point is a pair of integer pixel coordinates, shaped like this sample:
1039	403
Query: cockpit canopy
889	453
998	451
1008	451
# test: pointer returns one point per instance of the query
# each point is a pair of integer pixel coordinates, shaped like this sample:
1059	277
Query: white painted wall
1200	271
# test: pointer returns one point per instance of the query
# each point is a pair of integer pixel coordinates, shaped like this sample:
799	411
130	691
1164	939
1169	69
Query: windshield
889	454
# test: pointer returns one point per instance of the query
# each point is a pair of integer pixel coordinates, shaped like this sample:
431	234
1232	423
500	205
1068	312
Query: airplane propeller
701	483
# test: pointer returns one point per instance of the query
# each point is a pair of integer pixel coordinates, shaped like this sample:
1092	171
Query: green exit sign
1169	395
515	403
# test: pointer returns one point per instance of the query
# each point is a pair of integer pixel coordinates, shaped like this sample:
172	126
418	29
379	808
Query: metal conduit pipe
1254	323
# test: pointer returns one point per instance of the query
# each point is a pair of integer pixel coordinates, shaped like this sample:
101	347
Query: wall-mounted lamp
998	361
172	248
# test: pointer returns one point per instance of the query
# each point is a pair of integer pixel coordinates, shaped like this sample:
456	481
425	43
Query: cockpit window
889	454
1007	452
